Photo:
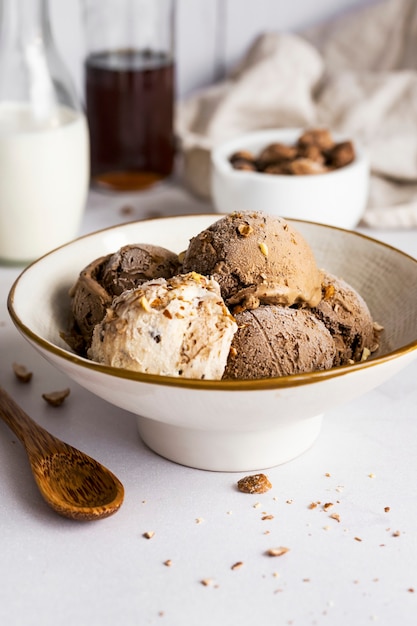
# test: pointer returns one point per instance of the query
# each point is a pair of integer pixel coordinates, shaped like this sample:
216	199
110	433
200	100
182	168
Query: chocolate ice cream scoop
88	306
109	276
257	259
346	315
278	341
133	265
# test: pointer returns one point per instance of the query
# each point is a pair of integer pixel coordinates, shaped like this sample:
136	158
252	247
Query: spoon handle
21	424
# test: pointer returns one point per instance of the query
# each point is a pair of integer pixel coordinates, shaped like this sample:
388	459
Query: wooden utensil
71	482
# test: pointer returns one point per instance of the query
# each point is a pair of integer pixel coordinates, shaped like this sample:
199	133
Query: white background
211	35
356	572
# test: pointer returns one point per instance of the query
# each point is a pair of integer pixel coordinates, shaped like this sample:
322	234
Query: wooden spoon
71	482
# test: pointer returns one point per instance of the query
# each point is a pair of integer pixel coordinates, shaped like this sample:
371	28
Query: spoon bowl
71	482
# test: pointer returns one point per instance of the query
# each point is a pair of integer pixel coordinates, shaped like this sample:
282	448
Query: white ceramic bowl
225	425
336	198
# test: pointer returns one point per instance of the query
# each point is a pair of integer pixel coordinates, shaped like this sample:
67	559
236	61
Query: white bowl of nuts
298	174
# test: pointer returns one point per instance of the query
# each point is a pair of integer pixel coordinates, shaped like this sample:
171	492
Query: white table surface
358	570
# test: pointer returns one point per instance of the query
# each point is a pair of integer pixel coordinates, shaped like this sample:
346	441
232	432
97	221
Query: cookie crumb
207	582
237	565
168	562
387	509
149	534
127	210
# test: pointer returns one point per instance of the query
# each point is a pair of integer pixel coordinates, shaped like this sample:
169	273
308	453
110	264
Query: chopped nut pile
315	152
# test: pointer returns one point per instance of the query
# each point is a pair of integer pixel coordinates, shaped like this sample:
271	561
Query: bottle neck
25	21
31	69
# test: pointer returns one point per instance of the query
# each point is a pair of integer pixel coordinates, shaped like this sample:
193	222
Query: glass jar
129	91
44	153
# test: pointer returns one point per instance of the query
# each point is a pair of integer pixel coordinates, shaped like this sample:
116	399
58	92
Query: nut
312	152
328	291
22	373
341	154
56	398
263	248
276	153
242	155
245	230
320	137
242	164
144	302
315	152
257	483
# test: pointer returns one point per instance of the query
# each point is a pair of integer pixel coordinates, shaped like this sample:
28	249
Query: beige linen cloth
356	75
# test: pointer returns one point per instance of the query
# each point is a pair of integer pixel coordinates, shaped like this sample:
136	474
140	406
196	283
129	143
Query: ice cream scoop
256	259
278	341
109	276
89	300
132	265
346	315
175	327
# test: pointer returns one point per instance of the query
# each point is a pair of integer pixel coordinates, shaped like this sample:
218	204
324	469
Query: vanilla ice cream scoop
171	327
257	259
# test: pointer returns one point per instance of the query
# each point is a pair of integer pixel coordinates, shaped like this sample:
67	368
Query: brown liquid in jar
129	99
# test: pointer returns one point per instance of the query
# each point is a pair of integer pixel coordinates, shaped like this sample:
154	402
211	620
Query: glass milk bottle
44	143
129	90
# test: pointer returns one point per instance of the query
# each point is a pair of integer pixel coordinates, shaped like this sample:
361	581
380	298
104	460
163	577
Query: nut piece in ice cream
109	276
346	315
175	327
256	259
278	341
